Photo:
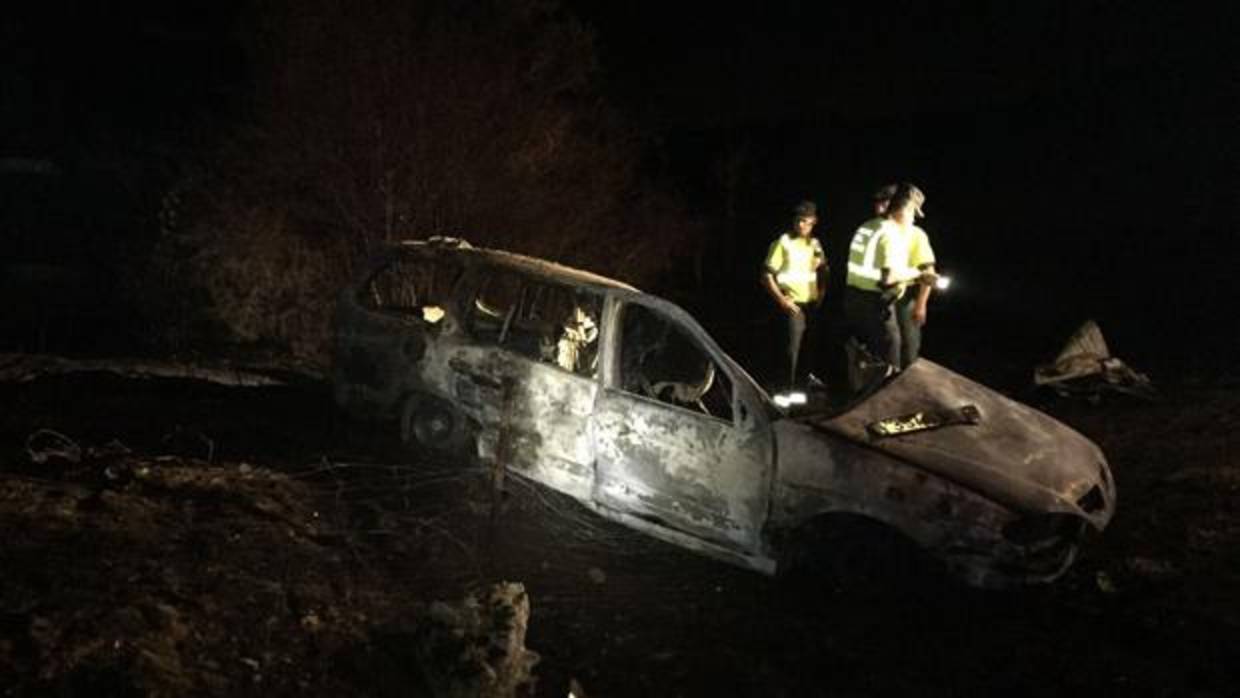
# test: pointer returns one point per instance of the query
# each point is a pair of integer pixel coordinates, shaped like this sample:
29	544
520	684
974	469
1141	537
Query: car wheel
429	425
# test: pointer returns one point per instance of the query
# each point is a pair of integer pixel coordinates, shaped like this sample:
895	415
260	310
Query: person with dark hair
879	272
794	263
882	196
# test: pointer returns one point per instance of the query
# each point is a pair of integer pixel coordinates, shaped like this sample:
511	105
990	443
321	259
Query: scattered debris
1152	569
1105	584
477	647
160	632
924	420
1217	477
195	578
47	445
1085	368
311	622
189	443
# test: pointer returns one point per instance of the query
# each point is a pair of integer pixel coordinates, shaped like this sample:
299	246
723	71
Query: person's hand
919	315
928	278
790	307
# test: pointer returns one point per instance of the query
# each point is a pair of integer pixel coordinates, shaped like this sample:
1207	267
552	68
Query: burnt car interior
542	322
658	361
413	288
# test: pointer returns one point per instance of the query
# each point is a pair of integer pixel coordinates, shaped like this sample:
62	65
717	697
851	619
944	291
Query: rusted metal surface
1016	455
621	400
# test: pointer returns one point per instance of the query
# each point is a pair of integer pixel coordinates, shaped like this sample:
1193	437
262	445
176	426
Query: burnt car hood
1012	453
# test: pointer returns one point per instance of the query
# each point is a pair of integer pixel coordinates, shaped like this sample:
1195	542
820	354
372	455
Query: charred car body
622	401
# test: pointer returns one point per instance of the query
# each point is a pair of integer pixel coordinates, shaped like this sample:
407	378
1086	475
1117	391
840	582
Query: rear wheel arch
432	425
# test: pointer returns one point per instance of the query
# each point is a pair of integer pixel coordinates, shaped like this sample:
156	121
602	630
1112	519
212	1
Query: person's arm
821	271
924	286
886	279
784	302
921	256
775	261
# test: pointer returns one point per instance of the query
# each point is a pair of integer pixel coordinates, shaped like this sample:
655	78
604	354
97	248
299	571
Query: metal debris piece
1105	584
45	445
924	420
188	442
1153	569
1085	368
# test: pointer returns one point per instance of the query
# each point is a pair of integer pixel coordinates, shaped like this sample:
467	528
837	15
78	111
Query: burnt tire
431	426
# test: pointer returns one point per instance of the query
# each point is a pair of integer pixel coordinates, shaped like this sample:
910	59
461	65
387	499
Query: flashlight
788	399
943	282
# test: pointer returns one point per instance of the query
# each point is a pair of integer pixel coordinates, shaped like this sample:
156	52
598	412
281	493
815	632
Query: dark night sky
920	88
99	77
1080	158
788	60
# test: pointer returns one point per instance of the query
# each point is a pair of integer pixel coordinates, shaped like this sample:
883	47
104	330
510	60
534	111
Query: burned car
622	401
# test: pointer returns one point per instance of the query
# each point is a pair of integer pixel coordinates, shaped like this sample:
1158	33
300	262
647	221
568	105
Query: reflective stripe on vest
862	273
795	276
798	275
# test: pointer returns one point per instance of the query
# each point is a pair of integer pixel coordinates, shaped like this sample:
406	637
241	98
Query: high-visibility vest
880	244
920	253
794	262
863	272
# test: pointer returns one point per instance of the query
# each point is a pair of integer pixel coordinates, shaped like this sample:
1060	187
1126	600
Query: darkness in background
101	105
1079	157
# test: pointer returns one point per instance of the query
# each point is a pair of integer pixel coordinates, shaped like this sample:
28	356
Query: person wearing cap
913	305
879	272
794	263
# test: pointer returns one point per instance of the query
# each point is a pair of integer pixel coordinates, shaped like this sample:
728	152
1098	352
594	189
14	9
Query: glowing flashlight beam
943	282
786	400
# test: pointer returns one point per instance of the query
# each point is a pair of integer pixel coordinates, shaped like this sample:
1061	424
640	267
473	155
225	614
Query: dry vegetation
175	575
378	121
252	541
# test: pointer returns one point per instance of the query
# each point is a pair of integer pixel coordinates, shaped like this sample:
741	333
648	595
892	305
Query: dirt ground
208	540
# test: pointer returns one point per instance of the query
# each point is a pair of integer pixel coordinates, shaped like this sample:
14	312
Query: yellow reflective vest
863	270
883	244
920	253
794	262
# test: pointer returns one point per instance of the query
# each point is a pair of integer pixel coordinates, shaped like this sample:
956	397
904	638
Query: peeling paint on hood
1015	454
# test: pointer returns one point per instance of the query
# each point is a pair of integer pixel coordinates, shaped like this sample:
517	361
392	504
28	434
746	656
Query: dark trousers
872	320
800	342
910	331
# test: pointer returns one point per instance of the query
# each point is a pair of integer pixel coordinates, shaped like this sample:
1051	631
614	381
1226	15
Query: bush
377	121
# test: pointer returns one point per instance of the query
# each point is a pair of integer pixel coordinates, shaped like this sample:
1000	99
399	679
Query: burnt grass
243	541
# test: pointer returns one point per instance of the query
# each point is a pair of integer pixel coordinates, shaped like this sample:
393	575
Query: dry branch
23	368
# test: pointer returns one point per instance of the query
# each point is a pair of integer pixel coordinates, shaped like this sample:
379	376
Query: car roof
535	266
